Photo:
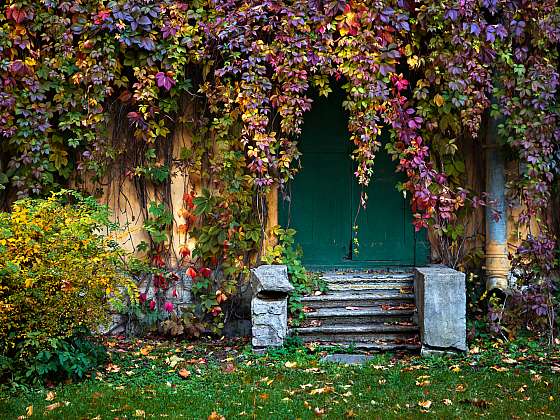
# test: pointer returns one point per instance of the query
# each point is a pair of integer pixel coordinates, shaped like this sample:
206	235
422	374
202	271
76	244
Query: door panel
385	232
320	194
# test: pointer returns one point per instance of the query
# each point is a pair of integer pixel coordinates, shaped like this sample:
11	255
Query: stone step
367	277
361	338
358	333
357	316
363	299
408	287
376	347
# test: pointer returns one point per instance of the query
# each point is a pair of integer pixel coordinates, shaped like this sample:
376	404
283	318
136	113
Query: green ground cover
151	379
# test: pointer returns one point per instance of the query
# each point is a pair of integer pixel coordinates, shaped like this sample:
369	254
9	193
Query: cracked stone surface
270	321
271	279
347	359
441	302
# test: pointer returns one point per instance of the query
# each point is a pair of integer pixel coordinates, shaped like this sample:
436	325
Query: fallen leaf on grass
51	395
324	390
216	416
477	402
229	368
263	396
173	360
111	367
500	369
447	401
290	365
422	383
319	411
29	411
425	404
56	405
460	388
139	413
184	373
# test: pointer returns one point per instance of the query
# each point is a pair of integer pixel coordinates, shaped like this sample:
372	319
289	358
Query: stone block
269	306
271	280
269	321
347	359
440	295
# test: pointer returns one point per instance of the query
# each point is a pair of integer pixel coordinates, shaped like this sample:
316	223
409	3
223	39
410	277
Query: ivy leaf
164	80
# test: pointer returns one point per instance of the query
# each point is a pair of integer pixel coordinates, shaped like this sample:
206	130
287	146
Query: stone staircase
369	311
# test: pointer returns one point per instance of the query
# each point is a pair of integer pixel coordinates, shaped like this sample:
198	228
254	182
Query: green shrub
59	274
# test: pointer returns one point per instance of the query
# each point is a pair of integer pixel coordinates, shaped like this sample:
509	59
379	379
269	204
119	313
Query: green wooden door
323	200
321	193
384	228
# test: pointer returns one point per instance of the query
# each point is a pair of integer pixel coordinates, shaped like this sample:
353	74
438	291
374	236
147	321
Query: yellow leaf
51	395
324	390
438	100
413	61
29	411
425	404
447	401
422	383
290	365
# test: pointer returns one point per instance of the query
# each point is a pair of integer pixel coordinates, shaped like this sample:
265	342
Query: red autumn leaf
185	251
16	14
191	272
205	272
188	199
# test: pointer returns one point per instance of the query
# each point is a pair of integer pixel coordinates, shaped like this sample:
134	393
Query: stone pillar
440	295
269	306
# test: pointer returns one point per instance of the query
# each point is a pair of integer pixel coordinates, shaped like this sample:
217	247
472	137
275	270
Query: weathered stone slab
269	306
270	321
441	303
347	359
271	280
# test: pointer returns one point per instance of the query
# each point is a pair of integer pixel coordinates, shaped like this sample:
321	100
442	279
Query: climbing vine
96	86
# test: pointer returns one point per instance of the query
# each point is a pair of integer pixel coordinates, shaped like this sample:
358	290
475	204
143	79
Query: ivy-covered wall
100	91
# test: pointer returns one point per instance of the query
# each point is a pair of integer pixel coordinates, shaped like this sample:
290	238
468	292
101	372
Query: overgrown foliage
90	83
58	278
286	252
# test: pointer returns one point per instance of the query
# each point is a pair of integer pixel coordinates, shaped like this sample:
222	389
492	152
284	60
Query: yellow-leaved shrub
59	271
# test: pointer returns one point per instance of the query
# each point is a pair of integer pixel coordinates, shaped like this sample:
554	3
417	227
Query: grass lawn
181	380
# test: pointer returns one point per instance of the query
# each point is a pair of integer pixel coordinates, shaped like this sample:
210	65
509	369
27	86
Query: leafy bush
63	359
58	275
533	303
